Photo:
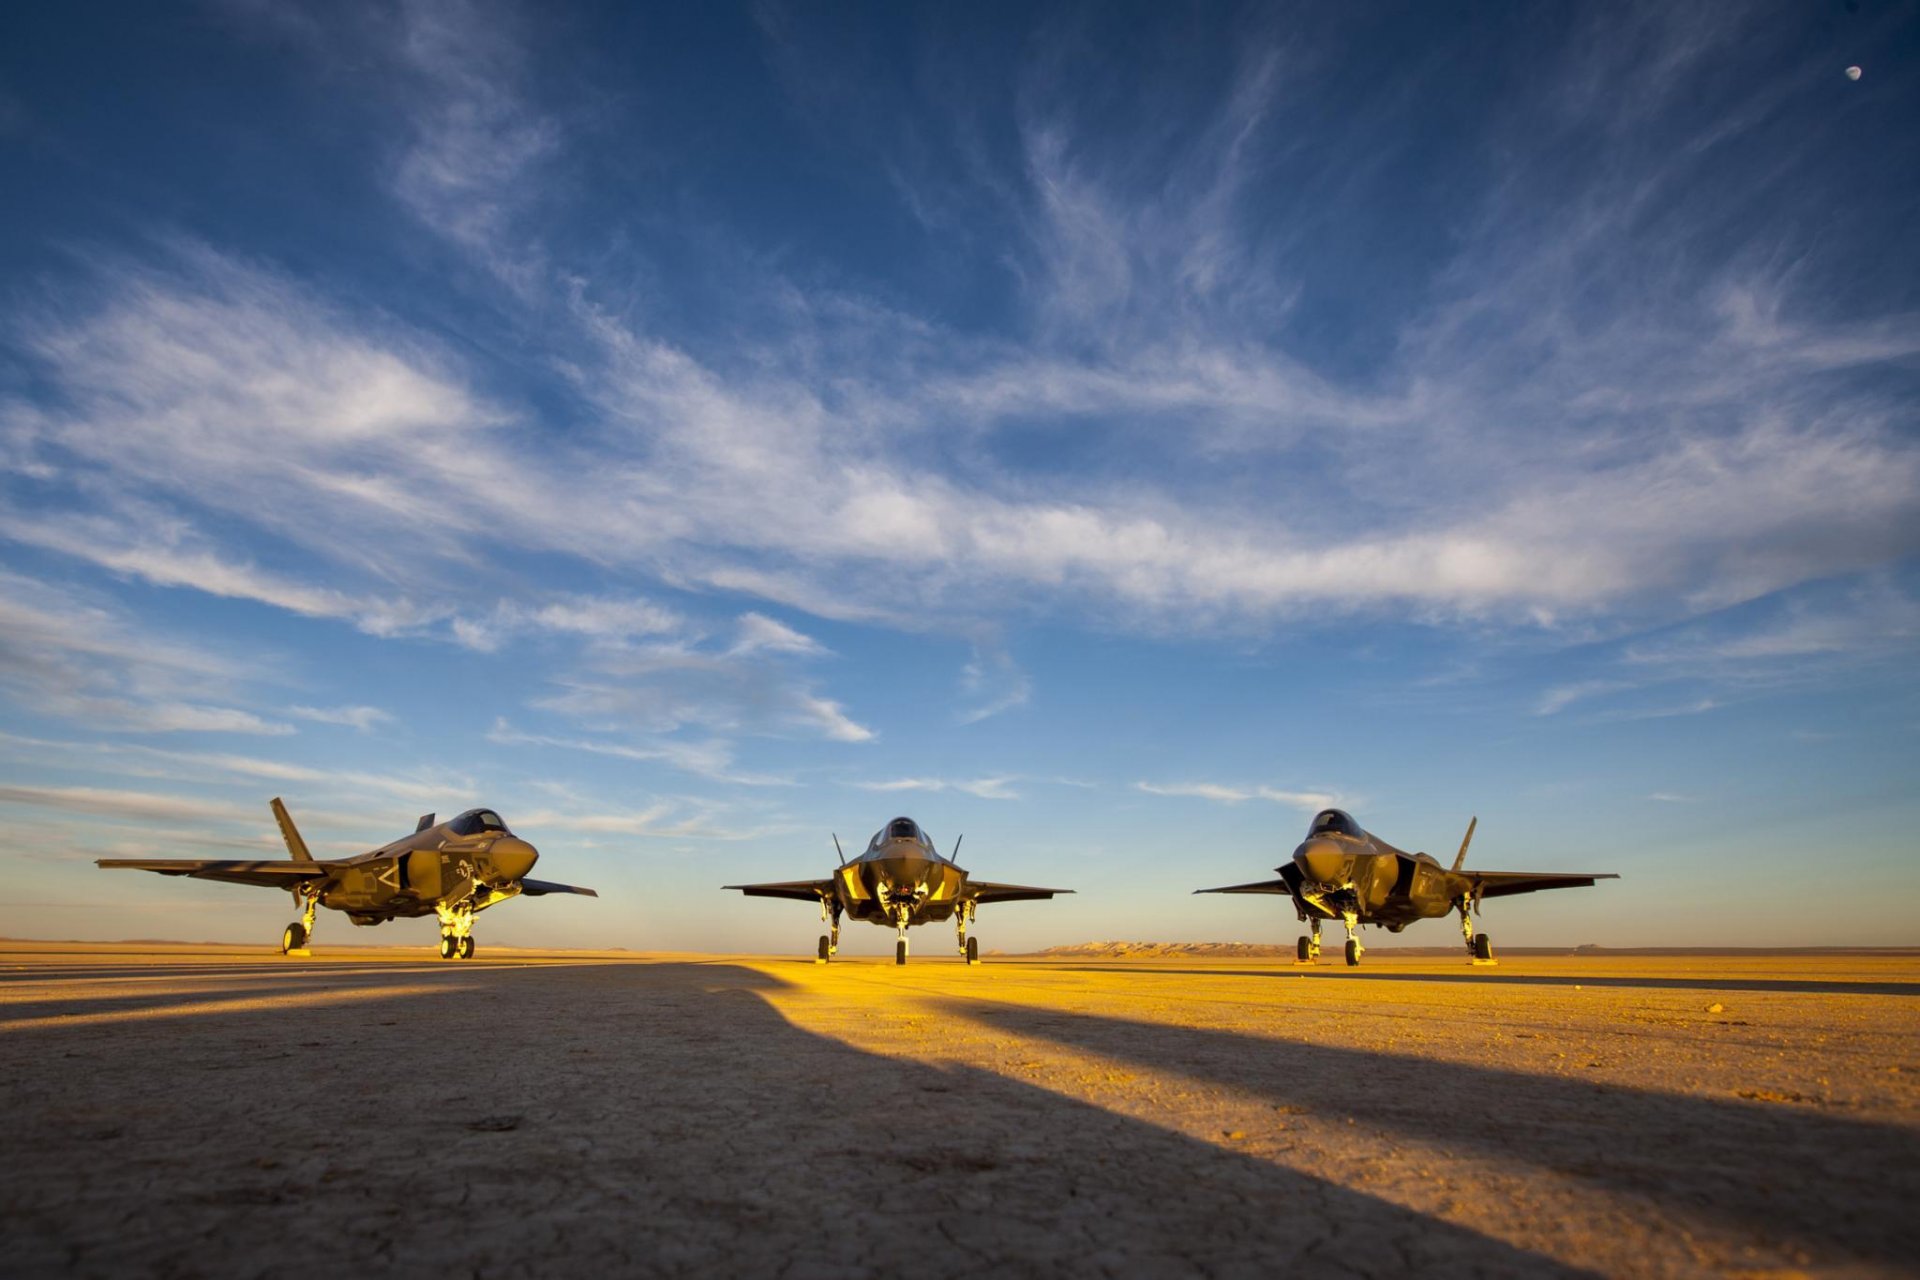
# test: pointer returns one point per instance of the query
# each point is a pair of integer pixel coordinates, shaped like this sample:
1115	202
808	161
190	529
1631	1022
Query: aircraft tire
1353	951
449	946
294	938
900	951
1482	947
466	947
1304	952
973	951
826	948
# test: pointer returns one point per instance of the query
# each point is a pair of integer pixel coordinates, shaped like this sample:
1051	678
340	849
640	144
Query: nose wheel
456	930
1354	949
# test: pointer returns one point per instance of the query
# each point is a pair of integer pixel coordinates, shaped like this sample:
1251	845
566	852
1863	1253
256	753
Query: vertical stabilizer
837	849
1465	841
296	847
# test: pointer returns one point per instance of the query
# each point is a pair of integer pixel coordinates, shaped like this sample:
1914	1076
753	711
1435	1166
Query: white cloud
361	718
983	788
104	803
761	634
1308	801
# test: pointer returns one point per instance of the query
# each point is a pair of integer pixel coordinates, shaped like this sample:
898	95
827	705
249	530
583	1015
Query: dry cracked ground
184	1112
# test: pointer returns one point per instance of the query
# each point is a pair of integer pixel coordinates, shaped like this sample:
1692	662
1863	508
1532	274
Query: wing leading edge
1500	884
272	875
541	888
987	891
798	890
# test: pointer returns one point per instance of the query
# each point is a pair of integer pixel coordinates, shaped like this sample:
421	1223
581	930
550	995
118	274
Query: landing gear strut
962	918
1308	950
294	940
1352	921
1479	945
456	929
830	941
900	941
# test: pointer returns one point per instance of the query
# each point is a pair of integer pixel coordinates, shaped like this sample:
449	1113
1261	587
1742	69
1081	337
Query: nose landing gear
900	941
456	929
1352	921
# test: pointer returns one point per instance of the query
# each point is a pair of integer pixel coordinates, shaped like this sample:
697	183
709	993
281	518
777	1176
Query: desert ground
187	1111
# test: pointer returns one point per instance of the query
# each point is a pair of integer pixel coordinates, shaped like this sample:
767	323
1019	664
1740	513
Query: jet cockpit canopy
1334	822
475	822
903	829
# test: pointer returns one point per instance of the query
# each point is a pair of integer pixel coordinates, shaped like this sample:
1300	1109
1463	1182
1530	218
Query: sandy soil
206	1111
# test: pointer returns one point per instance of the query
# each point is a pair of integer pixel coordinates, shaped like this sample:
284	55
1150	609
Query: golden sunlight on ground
222	1110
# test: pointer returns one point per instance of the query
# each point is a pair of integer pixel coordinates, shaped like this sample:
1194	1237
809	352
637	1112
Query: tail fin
296	847
837	849
1465	841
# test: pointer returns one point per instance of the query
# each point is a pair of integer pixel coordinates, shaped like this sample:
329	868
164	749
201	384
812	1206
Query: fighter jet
1340	872
901	880
452	870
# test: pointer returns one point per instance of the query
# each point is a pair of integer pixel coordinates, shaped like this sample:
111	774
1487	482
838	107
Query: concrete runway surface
209	1111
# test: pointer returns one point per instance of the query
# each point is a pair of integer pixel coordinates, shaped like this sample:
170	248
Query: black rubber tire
466	947
294	938
973	951
900	951
826	948
449	946
1304	951
1353	951
1482	947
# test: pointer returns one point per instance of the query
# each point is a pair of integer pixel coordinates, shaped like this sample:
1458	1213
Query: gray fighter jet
452	870
1340	872
901	880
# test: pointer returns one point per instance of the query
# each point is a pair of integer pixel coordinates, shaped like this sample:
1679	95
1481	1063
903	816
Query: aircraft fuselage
897	875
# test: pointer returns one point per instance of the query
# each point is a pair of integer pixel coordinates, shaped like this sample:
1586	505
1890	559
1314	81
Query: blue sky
1110	432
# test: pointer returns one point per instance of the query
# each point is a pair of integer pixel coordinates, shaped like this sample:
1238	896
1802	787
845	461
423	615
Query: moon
1853	73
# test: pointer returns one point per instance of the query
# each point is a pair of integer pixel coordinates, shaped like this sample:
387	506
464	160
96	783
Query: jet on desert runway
1340	872
452	870
901	880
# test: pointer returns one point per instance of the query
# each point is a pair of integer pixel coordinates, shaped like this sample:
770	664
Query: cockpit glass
902	829
476	822
1332	822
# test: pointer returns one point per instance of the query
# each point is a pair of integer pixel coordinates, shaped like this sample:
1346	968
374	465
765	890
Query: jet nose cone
512	857
1323	862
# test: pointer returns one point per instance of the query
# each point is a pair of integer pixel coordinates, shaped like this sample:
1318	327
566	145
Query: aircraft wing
1259	886
540	888
987	891
799	890
1499	884
277	874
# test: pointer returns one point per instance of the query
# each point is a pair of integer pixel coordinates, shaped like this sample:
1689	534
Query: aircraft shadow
1335	972
646	1119
1839	1186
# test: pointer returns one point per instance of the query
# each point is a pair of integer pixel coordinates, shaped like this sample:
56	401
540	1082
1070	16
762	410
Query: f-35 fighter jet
452	870
901	880
1340	872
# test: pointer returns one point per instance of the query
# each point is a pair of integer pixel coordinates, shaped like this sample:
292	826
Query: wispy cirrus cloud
982	788
1221	793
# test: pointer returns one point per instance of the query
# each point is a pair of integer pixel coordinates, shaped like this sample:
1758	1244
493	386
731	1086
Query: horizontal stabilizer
540	888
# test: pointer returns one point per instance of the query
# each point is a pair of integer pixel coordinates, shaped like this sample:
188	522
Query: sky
1111	432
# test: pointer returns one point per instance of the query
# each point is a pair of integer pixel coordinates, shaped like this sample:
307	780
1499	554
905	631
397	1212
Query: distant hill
1264	951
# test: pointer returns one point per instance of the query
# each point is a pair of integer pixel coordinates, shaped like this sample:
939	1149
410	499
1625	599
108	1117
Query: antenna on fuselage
836	849
1465	841
956	846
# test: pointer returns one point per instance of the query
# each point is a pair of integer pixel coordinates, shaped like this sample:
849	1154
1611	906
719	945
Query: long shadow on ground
1334	973
638	1119
1840	1186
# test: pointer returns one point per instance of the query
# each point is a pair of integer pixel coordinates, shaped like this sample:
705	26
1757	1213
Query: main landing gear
829	942
969	946
1479	945
294	941
1309	948
456	929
